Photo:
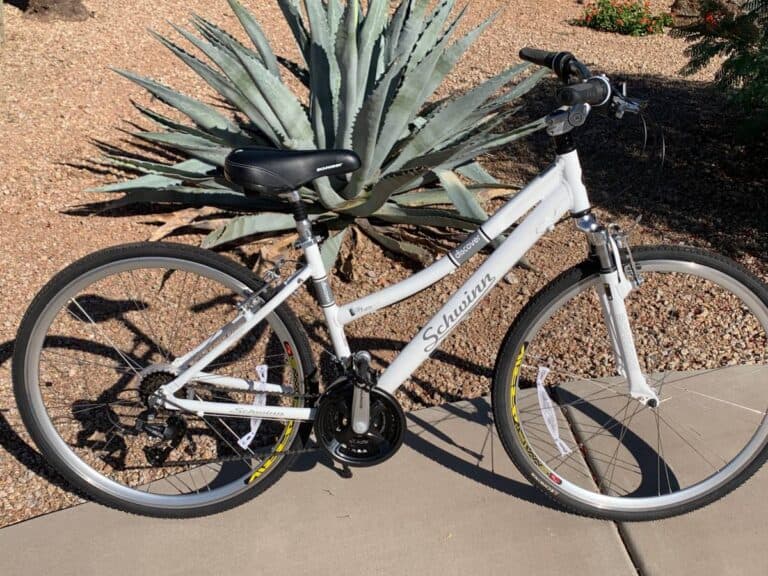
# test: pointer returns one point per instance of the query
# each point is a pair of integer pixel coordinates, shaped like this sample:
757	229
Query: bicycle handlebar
595	92
581	87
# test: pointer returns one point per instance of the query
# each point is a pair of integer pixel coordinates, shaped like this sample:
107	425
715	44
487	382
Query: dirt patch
47	10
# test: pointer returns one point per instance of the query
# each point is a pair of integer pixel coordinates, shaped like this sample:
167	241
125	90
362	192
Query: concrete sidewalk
449	503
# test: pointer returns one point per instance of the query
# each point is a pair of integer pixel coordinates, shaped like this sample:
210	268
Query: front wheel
564	414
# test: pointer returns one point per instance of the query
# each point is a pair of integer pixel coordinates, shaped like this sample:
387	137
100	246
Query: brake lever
622	104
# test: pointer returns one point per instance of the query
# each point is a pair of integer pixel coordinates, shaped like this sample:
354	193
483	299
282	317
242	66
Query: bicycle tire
38	422
508	384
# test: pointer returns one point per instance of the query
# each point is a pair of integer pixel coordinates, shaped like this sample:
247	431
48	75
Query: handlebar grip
594	92
564	64
536	56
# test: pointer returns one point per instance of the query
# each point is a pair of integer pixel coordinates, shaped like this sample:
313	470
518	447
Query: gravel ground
57	96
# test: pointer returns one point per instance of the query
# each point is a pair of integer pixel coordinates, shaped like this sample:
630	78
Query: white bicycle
167	380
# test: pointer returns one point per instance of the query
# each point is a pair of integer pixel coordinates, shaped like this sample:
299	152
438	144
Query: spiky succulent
370	76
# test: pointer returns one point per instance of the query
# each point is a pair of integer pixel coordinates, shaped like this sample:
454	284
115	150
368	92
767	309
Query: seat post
300	216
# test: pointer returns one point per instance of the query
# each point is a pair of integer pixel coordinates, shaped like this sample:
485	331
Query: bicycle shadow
424	436
12	442
374	346
27	455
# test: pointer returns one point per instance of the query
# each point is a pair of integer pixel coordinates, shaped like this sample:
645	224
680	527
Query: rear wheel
566	419
101	337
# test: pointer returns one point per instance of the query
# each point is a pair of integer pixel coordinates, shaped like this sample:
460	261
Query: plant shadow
683	166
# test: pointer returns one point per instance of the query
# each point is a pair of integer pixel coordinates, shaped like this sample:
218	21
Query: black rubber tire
510	349
138	250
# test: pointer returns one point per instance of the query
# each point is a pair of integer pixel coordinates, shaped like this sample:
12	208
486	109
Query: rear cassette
333	426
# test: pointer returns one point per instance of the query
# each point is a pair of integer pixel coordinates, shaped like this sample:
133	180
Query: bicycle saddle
271	170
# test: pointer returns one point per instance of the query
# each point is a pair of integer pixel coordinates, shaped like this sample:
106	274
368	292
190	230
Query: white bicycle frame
556	191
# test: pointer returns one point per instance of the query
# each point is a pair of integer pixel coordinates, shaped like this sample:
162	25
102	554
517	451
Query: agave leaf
223	86
197	196
229	138
149	181
409	249
330	249
375	69
370	33
395	214
477	127
219	37
261	223
508	137
463	199
184	129
395	26
255	33
459	154
196	170
249	225
407	101
455	51
335	12
346	54
234	69
432	29
368	123
432	197
476	173
292	12
451	116
299	72
520	89
201	114
194	146
324	73
371	201
284	104
412	28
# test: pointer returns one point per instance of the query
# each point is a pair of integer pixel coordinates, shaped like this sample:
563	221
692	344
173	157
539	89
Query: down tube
545	215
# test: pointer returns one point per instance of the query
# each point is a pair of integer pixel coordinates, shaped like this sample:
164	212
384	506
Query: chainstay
259	455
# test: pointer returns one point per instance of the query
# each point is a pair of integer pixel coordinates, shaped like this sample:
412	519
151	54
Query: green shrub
369	75
630	17
742	40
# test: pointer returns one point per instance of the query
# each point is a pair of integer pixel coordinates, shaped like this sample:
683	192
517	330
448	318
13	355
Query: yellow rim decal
287	431
515	417
513	382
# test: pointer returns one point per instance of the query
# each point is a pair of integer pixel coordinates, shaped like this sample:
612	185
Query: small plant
630	17
369	75
742	39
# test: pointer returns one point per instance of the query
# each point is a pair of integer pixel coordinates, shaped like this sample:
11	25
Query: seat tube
322	287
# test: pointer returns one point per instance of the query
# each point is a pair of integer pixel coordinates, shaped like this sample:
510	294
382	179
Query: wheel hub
152	379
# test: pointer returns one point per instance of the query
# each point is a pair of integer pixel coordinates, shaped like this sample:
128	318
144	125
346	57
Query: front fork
607	245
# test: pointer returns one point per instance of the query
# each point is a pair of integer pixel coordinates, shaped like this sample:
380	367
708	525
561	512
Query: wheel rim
211	486
581	407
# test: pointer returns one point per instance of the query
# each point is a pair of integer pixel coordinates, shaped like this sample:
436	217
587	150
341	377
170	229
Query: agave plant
370	76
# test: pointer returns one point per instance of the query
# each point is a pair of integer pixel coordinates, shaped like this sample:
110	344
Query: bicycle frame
556	191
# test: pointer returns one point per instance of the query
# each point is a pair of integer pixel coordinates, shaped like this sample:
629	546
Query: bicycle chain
261	455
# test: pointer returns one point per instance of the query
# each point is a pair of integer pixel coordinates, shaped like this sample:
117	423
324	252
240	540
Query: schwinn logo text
329	167
433	334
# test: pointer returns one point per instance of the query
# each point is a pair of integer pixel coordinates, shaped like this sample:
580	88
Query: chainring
334	433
